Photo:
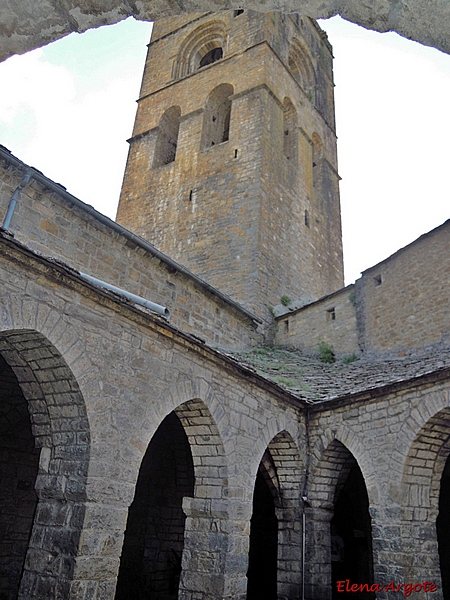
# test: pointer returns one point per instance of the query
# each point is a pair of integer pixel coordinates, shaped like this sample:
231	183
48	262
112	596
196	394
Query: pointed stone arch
61	430
205	504
424	493
276	519
331	471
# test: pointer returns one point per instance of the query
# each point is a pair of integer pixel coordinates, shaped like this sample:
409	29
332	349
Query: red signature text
406	588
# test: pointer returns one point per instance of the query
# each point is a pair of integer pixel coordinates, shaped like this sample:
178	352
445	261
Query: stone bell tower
232	169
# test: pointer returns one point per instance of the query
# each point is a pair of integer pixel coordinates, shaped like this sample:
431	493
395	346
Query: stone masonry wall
405	298
400	442
50	223
125	371
249	219
132	371
331	319
399	305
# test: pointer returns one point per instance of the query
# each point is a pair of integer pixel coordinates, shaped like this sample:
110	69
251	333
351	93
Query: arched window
167	140
301	67
211	57
203	46
216	119
289	130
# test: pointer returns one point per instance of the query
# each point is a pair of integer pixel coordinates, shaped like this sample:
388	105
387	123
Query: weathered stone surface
100	376
28	24
253	208
309	378
373	316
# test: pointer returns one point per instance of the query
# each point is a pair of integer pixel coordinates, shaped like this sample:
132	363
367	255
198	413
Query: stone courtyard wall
131	371
403	300
399	305
100	376
331	319
58	225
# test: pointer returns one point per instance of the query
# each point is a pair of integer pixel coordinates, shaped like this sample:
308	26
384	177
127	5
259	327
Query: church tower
232	169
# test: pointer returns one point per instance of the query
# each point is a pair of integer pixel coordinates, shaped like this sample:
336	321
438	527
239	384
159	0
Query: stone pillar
205	549
405	550
289	553
318	553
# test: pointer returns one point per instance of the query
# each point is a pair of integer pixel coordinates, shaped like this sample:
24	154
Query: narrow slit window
331	314
307	220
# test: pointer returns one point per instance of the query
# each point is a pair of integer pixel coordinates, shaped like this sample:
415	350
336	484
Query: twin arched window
216	125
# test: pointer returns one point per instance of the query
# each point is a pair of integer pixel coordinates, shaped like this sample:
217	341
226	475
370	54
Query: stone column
318	553
205	549
405	550
289	553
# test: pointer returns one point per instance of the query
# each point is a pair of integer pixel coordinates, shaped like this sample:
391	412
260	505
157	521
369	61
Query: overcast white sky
67	110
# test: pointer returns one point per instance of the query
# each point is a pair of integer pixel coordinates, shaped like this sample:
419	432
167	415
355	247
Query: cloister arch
425	498
189	525
336	482
60	429
275	534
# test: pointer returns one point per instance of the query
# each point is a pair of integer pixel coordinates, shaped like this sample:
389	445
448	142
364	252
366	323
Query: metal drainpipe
12	203
305	504
157	308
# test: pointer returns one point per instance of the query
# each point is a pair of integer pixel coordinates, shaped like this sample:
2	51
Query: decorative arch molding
301	67
61	429
197	45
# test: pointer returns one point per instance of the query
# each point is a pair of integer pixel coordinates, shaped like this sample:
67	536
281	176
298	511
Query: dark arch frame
61	431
